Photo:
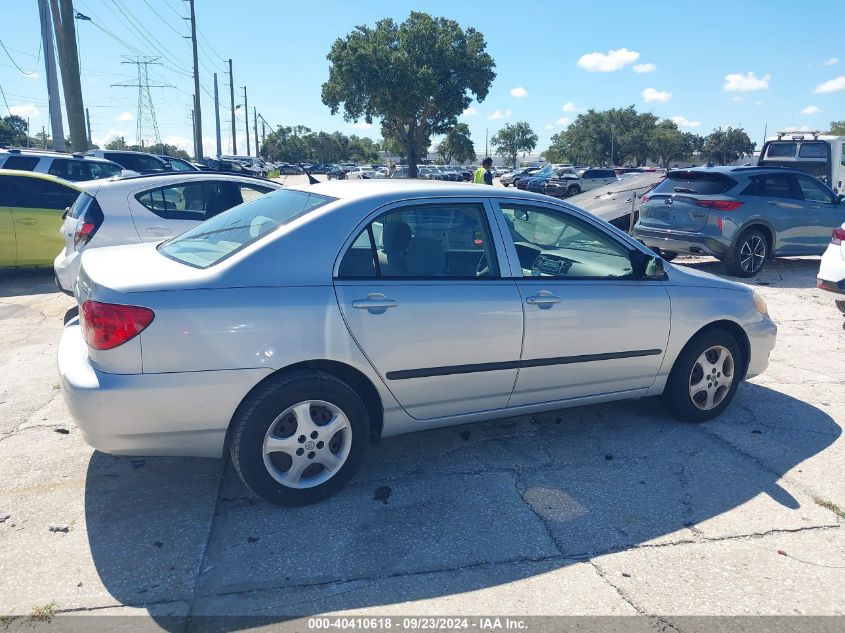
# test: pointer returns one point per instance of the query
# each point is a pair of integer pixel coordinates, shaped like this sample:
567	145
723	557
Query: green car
31	209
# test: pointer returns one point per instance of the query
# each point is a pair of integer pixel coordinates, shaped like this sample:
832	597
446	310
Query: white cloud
564	121
737	98
803	128
569	106
833	85
682	121
127	116
758	103
187	144
519	92
737	82
830	62
24	111
362	125
498	114
470	111
605	63
660	96
810	110
113	133
549	126
644	68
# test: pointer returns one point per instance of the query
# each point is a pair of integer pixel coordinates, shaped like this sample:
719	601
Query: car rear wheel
705	377
841	306
748	255
299	438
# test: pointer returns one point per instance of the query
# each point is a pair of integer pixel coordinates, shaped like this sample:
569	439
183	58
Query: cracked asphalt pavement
605	510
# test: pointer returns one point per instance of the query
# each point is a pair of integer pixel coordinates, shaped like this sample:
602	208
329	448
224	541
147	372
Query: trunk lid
673	204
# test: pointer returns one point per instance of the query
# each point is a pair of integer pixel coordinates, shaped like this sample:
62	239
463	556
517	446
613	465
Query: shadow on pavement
467	508
797	272
16	282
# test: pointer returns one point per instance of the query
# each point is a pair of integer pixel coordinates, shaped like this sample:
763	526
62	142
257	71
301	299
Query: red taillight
84	232
838	236
720	205
108	325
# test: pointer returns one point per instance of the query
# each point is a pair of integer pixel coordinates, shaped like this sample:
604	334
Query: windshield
548	170
213	240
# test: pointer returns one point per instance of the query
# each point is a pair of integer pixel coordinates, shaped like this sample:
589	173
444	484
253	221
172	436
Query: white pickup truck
813	152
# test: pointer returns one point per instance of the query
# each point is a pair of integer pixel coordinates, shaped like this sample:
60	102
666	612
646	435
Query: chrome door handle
159	230
375	303
366	304
543	299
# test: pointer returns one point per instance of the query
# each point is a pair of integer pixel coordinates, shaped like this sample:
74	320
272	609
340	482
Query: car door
7	224
589	180
592	325
37	208
824	209
421	293
162	212
781	203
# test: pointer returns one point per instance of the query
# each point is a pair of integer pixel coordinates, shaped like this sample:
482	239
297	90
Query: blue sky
707	64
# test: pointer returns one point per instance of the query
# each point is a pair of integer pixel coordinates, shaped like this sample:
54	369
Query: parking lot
605	510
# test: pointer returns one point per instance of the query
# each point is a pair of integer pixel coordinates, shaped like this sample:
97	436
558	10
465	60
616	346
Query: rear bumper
679	242
761	337
66	268
184	414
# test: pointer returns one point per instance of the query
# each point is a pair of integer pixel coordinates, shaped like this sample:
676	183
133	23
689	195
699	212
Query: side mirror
64	215
842	198
521	215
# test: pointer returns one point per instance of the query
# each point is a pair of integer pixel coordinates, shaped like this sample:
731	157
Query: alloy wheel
307	444
752	254
711	377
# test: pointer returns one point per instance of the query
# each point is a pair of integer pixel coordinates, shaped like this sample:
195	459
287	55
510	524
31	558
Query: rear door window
37	193
24	163
774	186
695	182
195	201
77	170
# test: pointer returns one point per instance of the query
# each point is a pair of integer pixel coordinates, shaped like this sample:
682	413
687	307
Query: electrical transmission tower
147	126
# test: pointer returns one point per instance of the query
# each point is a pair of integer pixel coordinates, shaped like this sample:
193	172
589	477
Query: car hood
680	275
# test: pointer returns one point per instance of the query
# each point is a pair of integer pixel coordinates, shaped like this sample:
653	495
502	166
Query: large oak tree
416	77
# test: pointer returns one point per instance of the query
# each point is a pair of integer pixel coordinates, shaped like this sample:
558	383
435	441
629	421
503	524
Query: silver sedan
291	331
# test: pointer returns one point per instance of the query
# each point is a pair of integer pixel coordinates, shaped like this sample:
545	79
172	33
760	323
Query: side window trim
488	219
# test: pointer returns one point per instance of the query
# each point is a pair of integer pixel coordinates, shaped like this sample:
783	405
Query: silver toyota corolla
292	330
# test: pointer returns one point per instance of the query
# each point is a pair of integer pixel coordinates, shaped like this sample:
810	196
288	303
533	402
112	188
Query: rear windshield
781	149
695	182
217	238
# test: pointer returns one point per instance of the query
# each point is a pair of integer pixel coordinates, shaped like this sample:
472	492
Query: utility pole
63	22
255	130
264	132
486	134
52	79
232	102
217	117
88	124
197	107
194	128
246	118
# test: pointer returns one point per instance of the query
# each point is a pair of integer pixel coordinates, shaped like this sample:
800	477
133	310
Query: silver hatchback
290	331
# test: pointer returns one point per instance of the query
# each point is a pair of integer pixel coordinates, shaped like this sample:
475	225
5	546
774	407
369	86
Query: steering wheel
482	268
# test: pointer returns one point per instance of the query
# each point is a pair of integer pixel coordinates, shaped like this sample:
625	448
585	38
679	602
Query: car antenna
311	179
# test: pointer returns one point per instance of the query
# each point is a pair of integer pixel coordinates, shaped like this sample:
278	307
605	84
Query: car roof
39	176
399	188
189	175
734	169
45	153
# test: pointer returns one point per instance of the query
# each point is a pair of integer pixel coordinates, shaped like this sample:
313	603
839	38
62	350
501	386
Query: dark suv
740	215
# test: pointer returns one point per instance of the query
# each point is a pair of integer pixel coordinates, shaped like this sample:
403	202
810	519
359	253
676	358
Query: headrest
396	237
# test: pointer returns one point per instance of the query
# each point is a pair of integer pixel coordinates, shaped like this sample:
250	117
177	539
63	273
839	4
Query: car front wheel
574	190
705	377
299	438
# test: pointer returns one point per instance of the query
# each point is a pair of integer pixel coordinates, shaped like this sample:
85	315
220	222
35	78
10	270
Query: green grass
45	613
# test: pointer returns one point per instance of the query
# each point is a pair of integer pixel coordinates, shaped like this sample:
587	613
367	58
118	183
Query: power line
28	73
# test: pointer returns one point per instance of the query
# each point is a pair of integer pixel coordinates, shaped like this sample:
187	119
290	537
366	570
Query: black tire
255	416
748	254
668	255
574	190
841	306
676	396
